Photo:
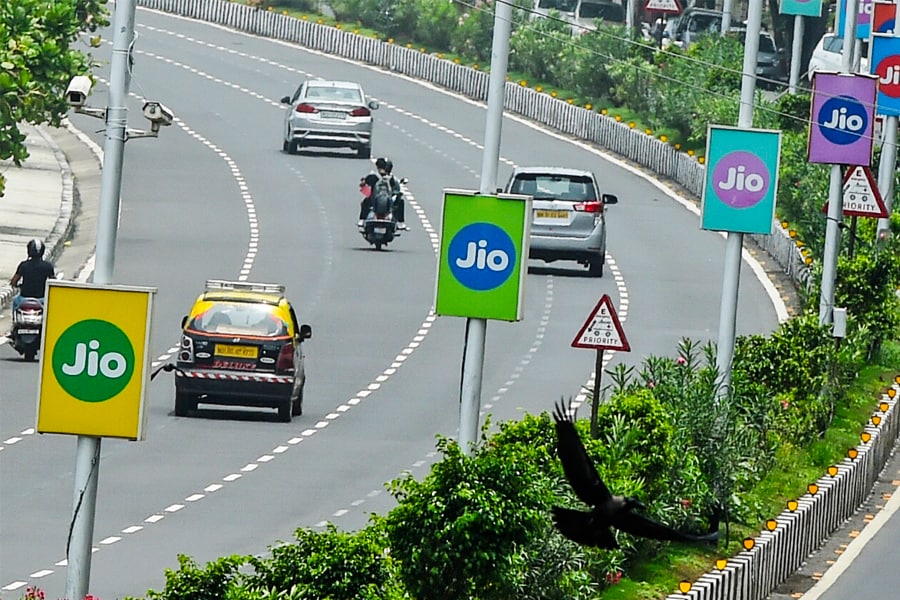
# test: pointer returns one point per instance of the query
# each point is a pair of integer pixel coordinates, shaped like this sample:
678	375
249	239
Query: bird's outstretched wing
581	528
640	525
576	463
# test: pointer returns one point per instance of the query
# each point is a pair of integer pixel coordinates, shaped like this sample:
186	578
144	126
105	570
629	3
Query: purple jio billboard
842	119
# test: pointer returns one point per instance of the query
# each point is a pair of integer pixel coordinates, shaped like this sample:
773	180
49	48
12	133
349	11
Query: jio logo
740	179
866	8
888	71
481	256
842	120
93	360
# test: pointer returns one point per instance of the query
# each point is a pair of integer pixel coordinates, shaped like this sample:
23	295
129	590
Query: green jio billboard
483	255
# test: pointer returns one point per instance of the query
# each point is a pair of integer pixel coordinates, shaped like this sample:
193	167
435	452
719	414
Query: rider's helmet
35	248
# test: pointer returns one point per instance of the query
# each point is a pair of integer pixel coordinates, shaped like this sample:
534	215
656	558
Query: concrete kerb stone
65	221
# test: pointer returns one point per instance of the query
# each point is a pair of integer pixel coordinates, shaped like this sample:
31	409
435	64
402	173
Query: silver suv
568	220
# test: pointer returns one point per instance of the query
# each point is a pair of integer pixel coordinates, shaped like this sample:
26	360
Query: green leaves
38	62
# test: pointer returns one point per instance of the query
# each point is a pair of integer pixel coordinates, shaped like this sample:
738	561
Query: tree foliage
37	61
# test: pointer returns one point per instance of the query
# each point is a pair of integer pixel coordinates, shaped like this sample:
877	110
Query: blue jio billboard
741	179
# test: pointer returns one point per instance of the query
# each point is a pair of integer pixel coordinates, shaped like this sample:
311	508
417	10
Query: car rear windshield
330	93
577	188
240	319
602	10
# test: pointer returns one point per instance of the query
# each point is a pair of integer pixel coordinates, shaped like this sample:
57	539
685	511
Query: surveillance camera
158	114
78	90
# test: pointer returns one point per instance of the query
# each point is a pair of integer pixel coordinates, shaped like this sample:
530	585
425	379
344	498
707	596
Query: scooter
27	324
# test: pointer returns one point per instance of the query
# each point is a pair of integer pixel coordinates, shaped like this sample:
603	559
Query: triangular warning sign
602	330
663	6
860	195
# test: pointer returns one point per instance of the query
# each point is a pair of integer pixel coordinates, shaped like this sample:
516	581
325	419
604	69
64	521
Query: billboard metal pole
87	451
888	165
835	189
476	328
735	240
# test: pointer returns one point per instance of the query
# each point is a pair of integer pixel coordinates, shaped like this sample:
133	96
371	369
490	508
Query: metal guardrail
751	574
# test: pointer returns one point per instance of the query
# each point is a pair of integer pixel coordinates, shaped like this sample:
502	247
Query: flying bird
594	528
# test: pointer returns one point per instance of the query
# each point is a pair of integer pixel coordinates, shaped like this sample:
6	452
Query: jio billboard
483	257
741	179
842	117
884	17
804	8
863	19
885	66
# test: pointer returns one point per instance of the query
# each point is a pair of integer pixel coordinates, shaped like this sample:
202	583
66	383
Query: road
214	197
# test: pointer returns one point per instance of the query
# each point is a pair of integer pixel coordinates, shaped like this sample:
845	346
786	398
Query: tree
37	62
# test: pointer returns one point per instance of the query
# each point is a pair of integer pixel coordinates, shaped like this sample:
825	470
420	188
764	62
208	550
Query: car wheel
285	146
297	407
293	147
284	410
364	152
595	266
184	403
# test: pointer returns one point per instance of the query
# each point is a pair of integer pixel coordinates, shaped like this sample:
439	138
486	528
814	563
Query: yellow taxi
241	345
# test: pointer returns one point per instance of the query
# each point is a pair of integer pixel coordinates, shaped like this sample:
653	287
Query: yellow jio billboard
95	367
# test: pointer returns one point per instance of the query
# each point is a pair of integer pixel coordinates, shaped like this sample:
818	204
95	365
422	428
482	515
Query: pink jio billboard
842	119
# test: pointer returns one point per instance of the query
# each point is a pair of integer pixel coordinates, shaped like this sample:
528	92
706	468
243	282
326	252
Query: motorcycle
379	228
27	326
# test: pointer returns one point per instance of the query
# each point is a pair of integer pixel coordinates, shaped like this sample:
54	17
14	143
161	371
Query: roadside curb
65	221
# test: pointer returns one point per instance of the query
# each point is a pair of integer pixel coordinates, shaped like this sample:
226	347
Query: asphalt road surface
214	197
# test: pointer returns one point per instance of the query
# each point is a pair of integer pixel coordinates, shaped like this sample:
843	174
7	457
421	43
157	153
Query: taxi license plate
333	114
551	214
237	351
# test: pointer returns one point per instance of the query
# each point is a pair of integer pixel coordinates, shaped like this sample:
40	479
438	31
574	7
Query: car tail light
360	111
186	352
285	358
306	108
591	206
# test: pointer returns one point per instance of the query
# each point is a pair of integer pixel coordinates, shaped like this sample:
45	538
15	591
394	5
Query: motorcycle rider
384	168
32	274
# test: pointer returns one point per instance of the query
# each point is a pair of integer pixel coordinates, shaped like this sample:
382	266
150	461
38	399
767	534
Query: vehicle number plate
332	114
552	214
29	331
379	229
237	351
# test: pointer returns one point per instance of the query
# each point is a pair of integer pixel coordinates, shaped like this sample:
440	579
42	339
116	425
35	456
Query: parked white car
826	56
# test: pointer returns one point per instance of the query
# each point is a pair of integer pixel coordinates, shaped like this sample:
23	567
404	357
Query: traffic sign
95	364
672	7
483	258
861	197
602	330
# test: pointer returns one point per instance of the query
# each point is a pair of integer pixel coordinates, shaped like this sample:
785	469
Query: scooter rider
32	274
385	168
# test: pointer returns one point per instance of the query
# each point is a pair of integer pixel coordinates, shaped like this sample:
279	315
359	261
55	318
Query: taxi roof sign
602	330
663	6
